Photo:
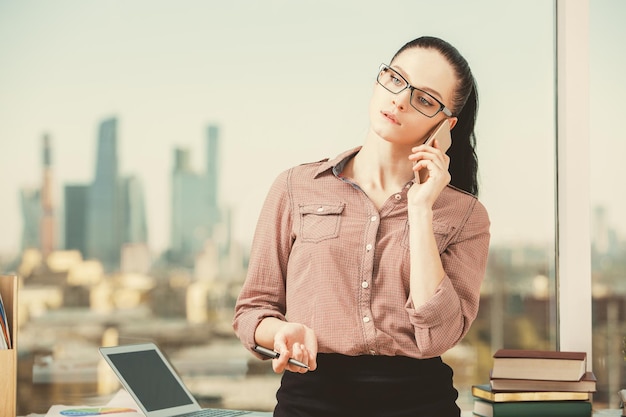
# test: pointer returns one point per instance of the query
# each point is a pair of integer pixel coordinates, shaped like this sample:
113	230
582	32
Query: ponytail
462	153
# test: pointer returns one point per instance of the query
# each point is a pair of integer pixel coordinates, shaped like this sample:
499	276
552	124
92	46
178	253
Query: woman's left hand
430	166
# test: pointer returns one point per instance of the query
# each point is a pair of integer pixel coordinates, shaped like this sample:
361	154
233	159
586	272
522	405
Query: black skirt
369	386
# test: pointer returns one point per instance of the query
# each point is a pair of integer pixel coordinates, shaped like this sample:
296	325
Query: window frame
573	240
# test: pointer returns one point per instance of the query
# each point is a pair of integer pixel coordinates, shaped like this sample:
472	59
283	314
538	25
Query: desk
600	413
121	400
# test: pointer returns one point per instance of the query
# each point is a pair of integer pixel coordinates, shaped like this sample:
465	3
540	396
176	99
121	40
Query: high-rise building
190	208
218	224
31	213
76	203
182	169
604	240
116	212
103	220
38	231
133	212
47	221
212	174
195	203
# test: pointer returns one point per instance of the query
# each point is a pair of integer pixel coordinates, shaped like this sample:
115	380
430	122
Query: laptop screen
150	379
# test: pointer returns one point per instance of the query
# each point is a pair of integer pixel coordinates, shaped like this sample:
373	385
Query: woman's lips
391	117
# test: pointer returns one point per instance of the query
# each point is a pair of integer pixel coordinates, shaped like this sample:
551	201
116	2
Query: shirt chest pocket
320	221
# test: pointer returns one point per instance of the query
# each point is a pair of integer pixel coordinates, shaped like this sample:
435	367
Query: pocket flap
322	209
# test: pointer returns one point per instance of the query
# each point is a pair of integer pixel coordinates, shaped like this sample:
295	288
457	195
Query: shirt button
320	209
364	284
373	218
372	352
398	197
368	247
366	319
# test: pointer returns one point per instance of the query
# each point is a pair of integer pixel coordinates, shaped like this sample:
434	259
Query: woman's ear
452	121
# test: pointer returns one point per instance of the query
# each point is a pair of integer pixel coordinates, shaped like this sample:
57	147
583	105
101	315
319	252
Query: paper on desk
121	405
123	399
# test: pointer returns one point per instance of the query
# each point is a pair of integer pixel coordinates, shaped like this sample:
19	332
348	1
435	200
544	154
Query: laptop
157	389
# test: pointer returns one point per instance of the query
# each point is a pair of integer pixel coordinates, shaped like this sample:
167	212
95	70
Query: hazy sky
287	81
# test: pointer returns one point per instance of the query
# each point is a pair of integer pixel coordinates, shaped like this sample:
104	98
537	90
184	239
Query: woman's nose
402	99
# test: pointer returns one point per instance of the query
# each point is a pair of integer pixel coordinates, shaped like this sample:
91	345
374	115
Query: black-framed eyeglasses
421	101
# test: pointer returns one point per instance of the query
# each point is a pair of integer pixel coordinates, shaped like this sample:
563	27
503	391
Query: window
607	89
171	114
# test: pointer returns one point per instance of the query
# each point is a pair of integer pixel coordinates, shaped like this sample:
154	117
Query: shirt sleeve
442	321
263	292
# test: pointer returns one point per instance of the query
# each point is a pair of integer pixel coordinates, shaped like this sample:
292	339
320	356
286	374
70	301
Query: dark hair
463	159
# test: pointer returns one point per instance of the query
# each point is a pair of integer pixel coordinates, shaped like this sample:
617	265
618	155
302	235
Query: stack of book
536	383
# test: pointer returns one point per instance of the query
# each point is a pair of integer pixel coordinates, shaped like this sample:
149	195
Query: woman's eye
425	101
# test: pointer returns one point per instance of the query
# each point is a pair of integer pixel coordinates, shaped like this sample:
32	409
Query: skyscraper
195	205
76	203
46	223
218	222
116	213
37	205
212	170
31	213
190	208
133	212
103	222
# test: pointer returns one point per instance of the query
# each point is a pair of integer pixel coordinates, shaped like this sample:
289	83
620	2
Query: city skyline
260	71
101	217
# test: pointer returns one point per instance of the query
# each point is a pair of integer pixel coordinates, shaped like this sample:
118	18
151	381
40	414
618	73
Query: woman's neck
380	166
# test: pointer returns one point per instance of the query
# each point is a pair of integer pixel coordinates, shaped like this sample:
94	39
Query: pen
275	355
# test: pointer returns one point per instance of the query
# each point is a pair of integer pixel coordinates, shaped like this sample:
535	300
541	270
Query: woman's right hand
291	340
297	341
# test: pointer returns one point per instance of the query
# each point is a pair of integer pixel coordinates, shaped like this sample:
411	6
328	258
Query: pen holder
8	357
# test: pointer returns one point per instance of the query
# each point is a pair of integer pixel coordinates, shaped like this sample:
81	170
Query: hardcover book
586	384
533	408
539	365
484	392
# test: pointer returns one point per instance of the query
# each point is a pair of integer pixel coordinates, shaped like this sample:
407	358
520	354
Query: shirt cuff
247	325
443	306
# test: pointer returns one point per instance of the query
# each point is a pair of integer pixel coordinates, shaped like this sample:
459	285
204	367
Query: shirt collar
338	162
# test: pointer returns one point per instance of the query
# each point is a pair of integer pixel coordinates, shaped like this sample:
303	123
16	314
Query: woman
368	267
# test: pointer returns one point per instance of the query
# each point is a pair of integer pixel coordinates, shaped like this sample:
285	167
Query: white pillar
573	204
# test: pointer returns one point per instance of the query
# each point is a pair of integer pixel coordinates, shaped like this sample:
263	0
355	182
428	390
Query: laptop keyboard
214	412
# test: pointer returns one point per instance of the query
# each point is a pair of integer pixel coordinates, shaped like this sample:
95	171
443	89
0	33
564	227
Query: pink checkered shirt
324	256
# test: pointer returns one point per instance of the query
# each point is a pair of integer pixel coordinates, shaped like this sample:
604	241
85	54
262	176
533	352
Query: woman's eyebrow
429	90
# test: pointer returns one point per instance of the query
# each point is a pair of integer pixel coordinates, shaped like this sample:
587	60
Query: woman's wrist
266	330
422	213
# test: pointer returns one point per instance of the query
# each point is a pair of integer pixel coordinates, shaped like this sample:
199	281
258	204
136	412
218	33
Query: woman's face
392	117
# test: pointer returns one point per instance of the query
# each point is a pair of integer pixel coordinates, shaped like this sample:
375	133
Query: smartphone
442	134
444	141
